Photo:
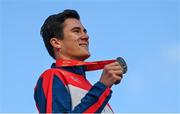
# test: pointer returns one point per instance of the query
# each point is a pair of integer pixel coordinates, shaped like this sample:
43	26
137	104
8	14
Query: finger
118	80
115	68
117	72
114	64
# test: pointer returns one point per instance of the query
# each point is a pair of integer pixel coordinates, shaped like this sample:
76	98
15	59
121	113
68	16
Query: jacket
64	89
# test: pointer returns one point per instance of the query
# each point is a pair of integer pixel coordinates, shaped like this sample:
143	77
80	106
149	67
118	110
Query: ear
56	43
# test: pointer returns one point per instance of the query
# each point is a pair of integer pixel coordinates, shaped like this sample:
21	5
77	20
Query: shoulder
51	72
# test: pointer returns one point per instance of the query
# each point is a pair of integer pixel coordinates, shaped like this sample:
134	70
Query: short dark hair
53	27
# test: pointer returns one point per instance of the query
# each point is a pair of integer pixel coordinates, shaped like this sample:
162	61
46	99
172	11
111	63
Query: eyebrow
79	29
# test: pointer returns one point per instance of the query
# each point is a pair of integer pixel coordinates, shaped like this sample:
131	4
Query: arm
95	100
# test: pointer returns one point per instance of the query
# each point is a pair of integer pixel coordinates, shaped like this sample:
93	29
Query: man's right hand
112	73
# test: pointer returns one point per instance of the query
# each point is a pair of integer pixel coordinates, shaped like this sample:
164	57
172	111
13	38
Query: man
64	87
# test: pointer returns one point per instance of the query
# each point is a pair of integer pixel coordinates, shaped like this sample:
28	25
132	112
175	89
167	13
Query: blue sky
144	32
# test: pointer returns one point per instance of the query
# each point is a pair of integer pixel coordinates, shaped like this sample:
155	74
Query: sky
144	32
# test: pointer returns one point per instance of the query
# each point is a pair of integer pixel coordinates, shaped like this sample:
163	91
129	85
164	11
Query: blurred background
144	32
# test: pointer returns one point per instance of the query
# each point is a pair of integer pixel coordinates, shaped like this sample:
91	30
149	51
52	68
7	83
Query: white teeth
83	45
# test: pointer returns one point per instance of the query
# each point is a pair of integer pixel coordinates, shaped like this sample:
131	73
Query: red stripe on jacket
47	88
99	103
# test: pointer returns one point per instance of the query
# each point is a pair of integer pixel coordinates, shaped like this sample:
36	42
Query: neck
70	58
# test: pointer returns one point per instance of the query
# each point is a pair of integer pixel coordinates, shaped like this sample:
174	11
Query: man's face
75	44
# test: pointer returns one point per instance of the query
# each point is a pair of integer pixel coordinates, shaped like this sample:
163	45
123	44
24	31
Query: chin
86	56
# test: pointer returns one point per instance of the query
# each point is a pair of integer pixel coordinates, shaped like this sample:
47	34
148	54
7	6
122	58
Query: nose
85	37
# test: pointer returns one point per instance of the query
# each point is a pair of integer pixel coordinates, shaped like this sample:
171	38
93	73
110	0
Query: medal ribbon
90	66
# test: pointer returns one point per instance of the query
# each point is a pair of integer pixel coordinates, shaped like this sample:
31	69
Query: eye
76	31
85	30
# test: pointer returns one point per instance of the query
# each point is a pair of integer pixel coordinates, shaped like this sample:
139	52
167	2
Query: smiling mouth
84	45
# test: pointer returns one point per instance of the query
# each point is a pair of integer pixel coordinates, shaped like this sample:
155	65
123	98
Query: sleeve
52	96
